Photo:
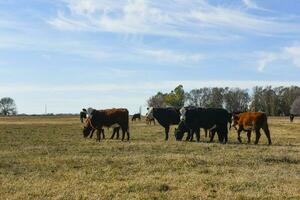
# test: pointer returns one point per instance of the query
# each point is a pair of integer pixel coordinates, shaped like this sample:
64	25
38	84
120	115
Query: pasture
48	158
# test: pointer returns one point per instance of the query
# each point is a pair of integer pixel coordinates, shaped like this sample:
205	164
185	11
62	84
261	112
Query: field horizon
48	158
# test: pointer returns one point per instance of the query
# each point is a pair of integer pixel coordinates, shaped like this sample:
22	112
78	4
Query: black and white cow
165	117
213	119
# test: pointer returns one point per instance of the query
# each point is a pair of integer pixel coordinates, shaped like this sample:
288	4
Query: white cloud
265	59
251	4
293	53
171	56
289	54
176	18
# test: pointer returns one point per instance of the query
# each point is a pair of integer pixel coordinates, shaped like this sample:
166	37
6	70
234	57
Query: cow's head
235	120
179	132
150	113
182	113
87	127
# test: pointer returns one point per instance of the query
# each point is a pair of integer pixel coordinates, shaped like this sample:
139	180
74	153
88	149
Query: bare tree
8	106
295	108
156	100
236	99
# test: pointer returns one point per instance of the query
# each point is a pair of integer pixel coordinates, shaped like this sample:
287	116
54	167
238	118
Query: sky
70	54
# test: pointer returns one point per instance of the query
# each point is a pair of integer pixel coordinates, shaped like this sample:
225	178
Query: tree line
273	101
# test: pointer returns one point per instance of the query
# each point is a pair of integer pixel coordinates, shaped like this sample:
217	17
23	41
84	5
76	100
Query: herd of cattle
189	120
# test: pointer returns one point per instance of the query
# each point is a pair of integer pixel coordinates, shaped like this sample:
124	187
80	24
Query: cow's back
109	117
254	119
167	116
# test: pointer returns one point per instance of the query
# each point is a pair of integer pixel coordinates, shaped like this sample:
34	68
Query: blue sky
71	54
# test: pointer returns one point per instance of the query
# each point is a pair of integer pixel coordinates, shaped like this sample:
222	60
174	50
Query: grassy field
48	158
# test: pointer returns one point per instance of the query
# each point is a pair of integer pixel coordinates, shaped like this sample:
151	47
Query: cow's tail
229	120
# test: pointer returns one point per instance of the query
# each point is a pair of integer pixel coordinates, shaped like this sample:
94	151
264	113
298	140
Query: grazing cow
292	117
107	118
82	115
136	116
165	117
249	121
213	119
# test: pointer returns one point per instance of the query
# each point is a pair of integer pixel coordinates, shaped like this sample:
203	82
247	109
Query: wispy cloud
171	56
176	19
251	4
290	54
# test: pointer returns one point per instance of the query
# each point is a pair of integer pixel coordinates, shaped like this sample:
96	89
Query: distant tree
176	97
198	97
295	108
236	99
157	100
8	106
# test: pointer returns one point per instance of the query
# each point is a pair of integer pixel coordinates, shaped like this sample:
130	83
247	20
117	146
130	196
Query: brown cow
249	121
107	118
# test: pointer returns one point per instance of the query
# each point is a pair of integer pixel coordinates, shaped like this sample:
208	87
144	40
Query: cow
249	121
136	116
292	117
213	119
165	117
98	119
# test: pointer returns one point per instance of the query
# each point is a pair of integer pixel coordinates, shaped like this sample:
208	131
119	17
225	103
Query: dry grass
48	158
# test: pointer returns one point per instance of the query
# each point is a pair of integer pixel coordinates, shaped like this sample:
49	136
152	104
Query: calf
107	118
249	121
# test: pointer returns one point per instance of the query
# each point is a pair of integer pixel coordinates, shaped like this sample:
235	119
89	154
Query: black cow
136	116
214	119
165	117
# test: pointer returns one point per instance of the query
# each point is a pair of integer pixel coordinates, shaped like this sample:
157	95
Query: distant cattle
249	121
213	119
136	116
107	118
165	117
149	120
292	117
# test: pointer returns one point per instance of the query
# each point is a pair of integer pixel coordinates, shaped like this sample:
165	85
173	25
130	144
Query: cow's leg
188	137
257	135
123	133
205	132
167	129
225	133
267	132
212	135
128	135
92	133
197	132
191	135
239	134
249	136
113	135
118	132
103	135
99	134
